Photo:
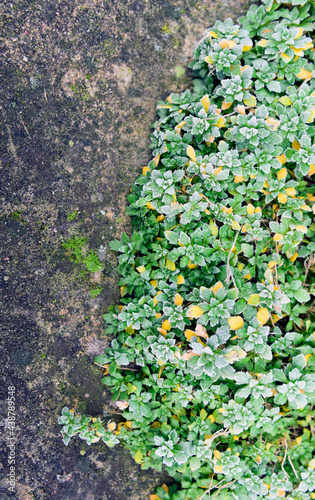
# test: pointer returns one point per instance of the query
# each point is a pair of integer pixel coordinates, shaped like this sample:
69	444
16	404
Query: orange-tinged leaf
166	325
178	299
188	355
226	105
304	74
238	178
235	322
282	198
191	153
165	487
281	493
241	109
281	174
227	43
158	315
180	279
111	426
205	101
262	315
162	332
201	332
194	312
254	299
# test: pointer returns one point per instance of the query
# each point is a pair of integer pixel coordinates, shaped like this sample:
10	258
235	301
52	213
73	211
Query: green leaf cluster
212	360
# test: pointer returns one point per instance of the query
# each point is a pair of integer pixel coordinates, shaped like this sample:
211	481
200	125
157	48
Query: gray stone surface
79	83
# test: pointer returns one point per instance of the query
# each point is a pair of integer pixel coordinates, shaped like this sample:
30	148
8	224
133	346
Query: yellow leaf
282	198
294	257
296	145
238	178
282	159
262	315
178	299
170	265
191	266
217	469
275	318
194	312
257	210
189	334
274	124
149	205
250	209
251	103
285	57
300	33
277	237
308	45
213	34
205	101
282	174
166	325
216	287
302	229
258	459
123	291
307	357
285	100
281	493
290	191
155	298
217	171
229	210
262	42
248	276
235	322
145	170
272	264
129	330
160	218
140	269
235	225
111	426
306	208
180	279
153	283
312	169
165	487
254	299
246	48
158	315
304	74
191	153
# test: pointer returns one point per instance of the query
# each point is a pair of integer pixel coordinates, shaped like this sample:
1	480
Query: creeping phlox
212	358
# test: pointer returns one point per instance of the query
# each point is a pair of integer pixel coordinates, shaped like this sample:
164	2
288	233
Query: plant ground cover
212	363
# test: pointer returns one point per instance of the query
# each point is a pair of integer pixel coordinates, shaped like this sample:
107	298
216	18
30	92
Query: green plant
212	364
95	292
76	251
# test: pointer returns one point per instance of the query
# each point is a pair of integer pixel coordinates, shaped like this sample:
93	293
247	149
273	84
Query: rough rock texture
79	83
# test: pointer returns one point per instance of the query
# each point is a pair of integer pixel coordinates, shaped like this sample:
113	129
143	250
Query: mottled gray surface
79	84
